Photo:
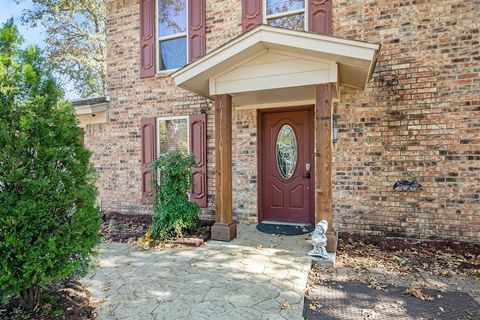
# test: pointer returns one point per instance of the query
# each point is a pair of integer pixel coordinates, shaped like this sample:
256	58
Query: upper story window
172	34
288	14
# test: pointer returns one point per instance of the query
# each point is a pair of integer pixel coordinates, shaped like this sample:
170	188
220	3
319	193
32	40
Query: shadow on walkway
256	276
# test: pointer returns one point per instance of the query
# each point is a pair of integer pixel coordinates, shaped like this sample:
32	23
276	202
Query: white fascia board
83	110
91	109
371	68
321	44
317	36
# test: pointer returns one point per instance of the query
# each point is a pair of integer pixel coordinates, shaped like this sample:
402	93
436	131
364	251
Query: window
286	150
172	34
172	134
183	133
290	14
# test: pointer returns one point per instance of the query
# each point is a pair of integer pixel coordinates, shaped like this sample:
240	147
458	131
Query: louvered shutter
149	153
320	16
147	38
196	29
251	14
198	147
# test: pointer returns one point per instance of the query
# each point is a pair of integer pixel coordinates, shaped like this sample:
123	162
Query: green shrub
173	211
49	220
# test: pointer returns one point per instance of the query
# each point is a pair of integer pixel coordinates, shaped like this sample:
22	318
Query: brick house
297	111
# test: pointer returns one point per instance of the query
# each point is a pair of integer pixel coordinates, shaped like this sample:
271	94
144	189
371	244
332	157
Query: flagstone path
256	276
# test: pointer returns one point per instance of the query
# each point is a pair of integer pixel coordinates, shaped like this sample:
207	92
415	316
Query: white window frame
286	14
173	36
172	118
157	136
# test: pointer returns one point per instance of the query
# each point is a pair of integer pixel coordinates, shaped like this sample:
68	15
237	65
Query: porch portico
271	67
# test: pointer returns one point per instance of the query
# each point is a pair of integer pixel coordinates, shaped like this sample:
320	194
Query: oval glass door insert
286	151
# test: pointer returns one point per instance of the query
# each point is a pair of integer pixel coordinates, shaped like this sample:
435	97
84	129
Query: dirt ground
128	228
414	264
64	300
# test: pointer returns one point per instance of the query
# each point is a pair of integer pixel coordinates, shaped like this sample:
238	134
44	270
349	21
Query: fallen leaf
446	273
376	284
285	305
417	292
399	260
312	307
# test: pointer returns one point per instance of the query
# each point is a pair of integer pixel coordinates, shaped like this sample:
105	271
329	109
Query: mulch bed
383	278
353	300
64	300
128	228
438	257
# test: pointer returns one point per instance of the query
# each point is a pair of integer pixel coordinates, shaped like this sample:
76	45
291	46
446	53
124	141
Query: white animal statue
319	239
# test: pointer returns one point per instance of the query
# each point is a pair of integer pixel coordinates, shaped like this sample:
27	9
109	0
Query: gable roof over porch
270	65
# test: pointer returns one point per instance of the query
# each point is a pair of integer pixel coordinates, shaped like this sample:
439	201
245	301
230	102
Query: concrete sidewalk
256	276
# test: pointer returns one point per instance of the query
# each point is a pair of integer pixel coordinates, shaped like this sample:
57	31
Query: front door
286	159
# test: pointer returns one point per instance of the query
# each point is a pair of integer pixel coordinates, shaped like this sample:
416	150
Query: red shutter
196	29
251	14
147	38
320	16
198	147
149	153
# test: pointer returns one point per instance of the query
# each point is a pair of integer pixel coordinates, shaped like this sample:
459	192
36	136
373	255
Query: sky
8	9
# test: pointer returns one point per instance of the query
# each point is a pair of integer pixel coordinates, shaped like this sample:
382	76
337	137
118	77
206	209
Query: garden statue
319	239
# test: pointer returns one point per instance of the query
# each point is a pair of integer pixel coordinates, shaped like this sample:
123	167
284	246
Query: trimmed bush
173	211
49	220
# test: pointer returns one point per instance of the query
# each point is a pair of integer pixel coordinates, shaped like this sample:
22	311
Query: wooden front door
286	159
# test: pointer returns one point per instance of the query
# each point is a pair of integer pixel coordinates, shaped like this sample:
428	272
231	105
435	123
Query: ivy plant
173	211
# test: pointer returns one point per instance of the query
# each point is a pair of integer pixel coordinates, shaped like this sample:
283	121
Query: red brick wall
419	118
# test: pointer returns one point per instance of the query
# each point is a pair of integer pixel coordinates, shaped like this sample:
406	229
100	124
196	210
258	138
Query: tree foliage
173	211
75	40
49	220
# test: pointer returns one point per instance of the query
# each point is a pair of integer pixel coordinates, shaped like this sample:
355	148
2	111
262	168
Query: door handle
308	175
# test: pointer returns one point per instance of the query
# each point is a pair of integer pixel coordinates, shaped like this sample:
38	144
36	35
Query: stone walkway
256	276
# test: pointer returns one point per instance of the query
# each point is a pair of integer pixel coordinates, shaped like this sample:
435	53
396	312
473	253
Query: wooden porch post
323	161
224	228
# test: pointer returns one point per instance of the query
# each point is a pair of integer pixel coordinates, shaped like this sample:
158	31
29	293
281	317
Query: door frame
260	147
